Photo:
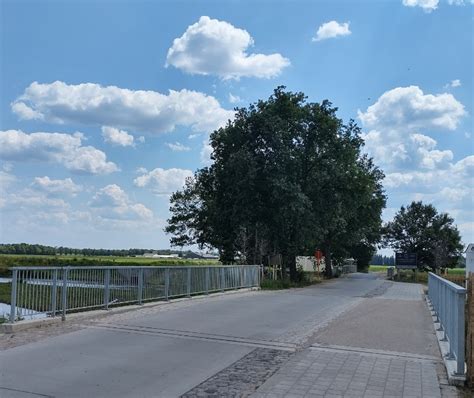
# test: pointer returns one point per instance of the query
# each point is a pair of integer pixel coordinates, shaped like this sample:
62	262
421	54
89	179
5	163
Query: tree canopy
420	229
288	177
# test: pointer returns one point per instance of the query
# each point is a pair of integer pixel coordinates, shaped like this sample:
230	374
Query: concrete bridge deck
353	337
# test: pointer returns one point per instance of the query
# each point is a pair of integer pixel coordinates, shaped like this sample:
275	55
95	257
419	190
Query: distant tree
420	229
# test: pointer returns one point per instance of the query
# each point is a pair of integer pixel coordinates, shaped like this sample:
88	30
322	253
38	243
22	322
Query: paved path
234	345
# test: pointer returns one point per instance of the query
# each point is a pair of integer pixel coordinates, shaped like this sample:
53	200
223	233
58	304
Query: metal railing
448	301
51	291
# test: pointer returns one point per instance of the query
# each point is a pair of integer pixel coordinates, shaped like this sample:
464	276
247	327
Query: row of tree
35	249
380	259
288	177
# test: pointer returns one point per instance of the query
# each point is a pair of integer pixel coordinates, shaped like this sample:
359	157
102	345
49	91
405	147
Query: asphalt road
167	350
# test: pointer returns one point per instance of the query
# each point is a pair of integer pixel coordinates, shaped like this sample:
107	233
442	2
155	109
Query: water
6	308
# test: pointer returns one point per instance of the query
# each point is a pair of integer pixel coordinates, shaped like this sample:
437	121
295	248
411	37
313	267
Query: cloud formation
332	29
112	202
117	137
426	5
415	168
213	47
136	111
65	149
56	187
163	181
177	147
409	107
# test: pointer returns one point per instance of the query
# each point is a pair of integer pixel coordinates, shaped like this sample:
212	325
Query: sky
106	106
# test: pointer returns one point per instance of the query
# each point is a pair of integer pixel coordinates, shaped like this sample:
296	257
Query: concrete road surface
169	350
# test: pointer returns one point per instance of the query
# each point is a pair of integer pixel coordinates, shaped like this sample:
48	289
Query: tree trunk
327	260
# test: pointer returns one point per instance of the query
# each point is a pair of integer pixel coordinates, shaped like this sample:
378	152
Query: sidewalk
385	347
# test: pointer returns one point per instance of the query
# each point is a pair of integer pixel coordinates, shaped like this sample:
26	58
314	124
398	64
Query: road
238	339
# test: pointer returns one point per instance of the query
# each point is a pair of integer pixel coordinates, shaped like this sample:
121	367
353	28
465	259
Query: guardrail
448	301
51	291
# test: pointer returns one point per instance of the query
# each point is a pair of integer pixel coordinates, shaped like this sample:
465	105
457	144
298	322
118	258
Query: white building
470	258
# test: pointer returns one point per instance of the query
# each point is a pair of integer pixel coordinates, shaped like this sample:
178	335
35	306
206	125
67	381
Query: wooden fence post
470	330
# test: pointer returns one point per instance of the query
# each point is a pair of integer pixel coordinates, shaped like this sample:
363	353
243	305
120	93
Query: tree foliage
420	229
288	177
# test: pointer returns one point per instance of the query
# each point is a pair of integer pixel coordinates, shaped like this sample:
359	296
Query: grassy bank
13	260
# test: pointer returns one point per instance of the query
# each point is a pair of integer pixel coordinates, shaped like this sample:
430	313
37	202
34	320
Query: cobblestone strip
243	377
319	373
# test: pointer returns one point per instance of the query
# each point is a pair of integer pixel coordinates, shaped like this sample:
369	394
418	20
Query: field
15	260
455	275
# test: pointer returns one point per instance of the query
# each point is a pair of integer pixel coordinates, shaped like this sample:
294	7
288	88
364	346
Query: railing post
207	279
13	296
106	288
222	279
461	302
140	286
188	282
64	294
54	292
167	284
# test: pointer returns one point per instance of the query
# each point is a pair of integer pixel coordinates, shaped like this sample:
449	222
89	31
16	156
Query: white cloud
137	111
163	181
55	187
415	168
426	5
409	107
177	147
192	136
112	202
234	99
65	149
117	137
453	84
332	29
213	47
206	153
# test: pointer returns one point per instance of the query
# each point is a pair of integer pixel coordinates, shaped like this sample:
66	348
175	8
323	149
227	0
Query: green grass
378	268
15	260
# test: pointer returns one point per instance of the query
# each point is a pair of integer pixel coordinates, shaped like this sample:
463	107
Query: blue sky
92	140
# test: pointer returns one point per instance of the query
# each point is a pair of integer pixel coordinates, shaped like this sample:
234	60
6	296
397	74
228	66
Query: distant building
156	255
470	258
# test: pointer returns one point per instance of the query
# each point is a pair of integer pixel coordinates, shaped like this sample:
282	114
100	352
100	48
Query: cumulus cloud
65	149
136	111
206	153
415	167
409	107
177	147
213	47
56	187
112	202
332	29
426	5
117	137
163	181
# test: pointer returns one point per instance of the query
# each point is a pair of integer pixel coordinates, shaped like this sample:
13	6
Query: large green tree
288	177
419	228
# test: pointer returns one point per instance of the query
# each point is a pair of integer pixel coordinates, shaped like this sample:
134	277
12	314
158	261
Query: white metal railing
448	301
50	291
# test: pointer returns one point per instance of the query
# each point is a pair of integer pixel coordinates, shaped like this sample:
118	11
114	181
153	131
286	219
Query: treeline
379	259
35	249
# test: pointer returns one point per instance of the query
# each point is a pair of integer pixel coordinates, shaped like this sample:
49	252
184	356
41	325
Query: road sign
405	260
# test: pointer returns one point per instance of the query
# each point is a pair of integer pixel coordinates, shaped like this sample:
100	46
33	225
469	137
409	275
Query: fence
50	291
448	301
